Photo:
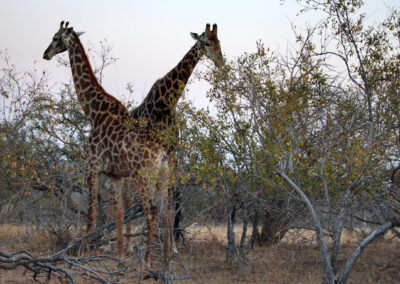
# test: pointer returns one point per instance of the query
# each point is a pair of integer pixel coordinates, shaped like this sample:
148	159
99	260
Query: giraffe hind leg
168	239
128	226
116	199
150	209
151	212
172	221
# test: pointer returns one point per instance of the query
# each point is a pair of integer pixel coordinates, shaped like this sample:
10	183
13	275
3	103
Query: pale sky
150	37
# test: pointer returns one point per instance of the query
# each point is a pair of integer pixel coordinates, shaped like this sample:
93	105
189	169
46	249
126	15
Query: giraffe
159	106
116	147
160	103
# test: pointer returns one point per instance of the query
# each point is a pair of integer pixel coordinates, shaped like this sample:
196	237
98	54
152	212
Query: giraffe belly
117	165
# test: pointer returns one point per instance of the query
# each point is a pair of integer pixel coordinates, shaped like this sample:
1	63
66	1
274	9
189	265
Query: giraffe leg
151	212
110	212
171	209
110	217
150	209
173	202
166	223
167	216
128	226
116	199
93	182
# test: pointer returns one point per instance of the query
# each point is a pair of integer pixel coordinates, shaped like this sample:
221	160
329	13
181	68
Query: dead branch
358	250
63	266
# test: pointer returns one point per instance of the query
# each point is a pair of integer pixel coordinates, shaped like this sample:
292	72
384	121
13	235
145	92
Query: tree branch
327	265
361	246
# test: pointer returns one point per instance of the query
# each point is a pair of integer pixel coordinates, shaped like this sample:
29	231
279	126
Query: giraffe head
60	41
210	45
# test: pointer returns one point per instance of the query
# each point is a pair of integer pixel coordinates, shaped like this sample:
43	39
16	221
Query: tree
294	129
355	141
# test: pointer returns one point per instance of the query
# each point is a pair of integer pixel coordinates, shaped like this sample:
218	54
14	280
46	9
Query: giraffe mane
96	82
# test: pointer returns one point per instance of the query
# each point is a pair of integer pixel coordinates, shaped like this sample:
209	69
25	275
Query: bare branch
361	246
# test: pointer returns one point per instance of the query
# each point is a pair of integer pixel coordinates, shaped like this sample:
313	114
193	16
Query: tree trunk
274	226
254	223
358	250
245	220
231	248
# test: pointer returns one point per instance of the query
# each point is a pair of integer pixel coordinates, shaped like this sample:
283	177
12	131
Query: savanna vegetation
294	178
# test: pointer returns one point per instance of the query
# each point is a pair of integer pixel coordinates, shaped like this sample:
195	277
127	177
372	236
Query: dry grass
35	239
295	260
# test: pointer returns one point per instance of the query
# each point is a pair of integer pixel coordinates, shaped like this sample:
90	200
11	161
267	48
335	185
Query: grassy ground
295	260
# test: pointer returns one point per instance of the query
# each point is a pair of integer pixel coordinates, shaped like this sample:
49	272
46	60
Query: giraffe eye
56	38
206	44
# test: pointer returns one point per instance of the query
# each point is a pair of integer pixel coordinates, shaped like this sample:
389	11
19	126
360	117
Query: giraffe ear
79	33
195	36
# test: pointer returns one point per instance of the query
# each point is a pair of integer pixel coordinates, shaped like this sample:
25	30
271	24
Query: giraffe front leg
151	220
128	226
143	187
168	235
116	200
151	211
167	224
173	207
93	182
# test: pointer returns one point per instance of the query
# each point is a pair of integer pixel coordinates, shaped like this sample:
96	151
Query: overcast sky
150	37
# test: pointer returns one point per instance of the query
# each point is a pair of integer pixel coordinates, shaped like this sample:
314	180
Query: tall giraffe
116	147
159	106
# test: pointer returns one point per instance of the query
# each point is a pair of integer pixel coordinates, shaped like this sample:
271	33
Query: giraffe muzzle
47	54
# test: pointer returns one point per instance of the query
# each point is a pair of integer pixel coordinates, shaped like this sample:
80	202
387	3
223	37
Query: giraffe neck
184	68
160	103
96	103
